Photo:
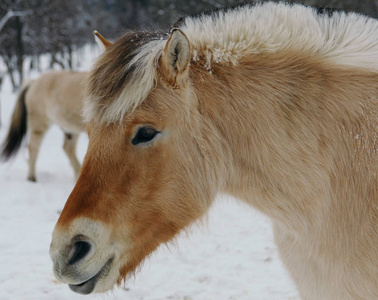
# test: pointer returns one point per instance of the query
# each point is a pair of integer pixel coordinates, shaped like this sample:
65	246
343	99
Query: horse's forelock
122	77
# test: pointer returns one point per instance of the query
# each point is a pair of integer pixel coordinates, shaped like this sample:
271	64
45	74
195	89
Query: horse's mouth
88	286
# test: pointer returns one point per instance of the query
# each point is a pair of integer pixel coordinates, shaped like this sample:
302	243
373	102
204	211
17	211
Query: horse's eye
144	134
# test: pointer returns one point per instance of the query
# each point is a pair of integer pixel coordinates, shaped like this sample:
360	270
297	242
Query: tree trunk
70	56
8	64
20	50
54	61
1	83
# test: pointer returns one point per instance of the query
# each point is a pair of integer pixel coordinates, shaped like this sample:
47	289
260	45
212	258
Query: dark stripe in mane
327	11
111	72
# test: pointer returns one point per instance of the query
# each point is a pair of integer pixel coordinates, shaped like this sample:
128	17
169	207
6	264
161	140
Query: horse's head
149	170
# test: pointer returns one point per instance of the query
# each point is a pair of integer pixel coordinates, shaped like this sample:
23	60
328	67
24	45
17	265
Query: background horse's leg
69	146
36	137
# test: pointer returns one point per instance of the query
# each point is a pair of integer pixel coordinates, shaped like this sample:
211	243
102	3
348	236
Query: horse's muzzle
83	257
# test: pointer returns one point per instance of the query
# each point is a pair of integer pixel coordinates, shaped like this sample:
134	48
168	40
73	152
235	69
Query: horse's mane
125	74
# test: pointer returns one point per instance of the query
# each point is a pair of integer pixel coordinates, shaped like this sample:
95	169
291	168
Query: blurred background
60	28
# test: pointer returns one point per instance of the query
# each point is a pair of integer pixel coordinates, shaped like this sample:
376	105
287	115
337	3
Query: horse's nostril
79	251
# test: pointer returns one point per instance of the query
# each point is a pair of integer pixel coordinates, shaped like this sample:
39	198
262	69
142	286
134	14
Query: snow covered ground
232	257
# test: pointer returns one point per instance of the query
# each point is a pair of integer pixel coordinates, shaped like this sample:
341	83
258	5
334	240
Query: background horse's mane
126	73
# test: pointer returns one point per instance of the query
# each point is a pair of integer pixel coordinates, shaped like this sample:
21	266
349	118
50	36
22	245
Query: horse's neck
281	141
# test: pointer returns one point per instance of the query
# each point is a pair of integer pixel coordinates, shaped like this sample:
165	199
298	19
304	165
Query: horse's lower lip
88	286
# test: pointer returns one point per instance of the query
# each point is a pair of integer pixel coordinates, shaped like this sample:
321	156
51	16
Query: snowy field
232	257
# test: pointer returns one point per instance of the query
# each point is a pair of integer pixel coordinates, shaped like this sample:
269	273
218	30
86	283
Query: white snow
232	257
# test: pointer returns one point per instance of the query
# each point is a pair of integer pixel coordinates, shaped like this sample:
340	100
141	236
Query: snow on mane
226	36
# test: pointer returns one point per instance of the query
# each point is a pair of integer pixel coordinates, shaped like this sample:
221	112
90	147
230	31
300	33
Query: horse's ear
101	41
175	58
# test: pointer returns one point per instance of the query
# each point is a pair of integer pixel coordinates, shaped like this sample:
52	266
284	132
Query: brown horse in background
55	97
275	104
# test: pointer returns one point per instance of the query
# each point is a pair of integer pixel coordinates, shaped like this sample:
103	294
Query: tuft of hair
125	74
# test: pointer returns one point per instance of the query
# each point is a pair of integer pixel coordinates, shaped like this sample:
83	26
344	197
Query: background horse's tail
17	129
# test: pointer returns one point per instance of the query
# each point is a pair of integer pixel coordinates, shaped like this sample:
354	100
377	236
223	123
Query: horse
55	97
274	103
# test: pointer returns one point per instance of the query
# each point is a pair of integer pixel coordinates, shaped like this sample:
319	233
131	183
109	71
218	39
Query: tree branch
10	14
